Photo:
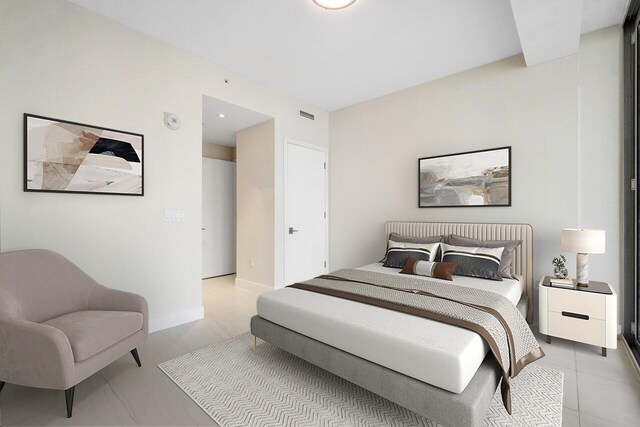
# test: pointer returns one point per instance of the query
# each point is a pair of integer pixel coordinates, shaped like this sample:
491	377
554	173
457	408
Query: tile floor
598	391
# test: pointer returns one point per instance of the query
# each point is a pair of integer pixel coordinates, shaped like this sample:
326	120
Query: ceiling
333	59
222	130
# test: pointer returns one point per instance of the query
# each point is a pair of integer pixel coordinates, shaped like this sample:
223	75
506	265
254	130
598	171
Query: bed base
450	409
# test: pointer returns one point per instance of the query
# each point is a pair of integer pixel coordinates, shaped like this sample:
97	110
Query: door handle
292	230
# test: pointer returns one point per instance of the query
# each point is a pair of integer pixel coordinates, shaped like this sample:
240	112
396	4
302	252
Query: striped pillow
474	261
506	263
400	238
399	252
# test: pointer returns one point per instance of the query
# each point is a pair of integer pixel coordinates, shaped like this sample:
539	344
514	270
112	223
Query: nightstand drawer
591	304
590	331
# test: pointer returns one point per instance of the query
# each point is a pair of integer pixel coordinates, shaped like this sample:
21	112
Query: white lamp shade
582	240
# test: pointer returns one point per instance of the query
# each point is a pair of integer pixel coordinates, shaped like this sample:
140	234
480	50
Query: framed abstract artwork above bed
67	157
473	178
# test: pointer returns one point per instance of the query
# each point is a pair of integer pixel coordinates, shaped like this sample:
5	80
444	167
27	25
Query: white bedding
443	355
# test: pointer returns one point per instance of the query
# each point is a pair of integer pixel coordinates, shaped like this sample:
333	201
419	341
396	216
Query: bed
378	349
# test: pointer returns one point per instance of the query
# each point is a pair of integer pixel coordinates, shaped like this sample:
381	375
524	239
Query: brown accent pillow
438	270
506	260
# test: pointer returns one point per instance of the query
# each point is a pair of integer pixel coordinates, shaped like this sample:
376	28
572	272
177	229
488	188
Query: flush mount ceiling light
334	4
221	115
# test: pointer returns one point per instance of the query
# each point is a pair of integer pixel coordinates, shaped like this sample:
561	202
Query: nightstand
584	314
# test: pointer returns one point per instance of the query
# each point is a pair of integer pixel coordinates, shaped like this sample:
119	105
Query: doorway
220	123
306	231
218	217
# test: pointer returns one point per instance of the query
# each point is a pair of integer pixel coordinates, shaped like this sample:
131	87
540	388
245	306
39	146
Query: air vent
307	115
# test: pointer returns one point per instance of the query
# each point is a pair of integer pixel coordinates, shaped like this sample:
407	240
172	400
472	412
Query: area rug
237	387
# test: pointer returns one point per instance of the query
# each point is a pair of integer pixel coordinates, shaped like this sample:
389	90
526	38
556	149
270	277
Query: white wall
62	61
601	149
255	152
562	118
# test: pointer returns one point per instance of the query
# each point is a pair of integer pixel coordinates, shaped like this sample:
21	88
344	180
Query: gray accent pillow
406	239
506	261
474	261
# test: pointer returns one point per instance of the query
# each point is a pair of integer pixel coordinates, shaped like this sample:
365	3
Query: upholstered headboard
523	259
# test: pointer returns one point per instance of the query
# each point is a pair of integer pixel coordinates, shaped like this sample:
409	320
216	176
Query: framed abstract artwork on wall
67	157
473	178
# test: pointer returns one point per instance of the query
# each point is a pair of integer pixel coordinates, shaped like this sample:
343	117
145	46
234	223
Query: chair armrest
103	298
35	355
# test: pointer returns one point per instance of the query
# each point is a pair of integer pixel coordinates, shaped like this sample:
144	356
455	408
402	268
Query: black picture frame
509	180
26	188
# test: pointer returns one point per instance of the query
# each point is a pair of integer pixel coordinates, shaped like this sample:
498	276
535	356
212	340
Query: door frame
631	233
285	231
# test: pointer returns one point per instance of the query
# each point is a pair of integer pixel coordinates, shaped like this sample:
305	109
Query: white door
218	217
305	212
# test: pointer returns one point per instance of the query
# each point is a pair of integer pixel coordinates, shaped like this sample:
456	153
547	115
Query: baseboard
252	286
629	352
159	323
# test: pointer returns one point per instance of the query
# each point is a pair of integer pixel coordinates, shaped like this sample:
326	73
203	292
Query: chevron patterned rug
237	387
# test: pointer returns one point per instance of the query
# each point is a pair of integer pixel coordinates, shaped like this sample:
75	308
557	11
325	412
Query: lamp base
582	267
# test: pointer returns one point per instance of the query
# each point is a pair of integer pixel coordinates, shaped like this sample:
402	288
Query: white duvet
443	355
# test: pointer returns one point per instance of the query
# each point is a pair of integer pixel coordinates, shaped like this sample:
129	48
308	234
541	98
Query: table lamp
582	241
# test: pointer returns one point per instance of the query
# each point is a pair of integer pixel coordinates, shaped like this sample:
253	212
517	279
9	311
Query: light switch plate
174	215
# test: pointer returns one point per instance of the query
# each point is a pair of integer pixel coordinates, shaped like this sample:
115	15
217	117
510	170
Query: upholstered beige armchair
58	326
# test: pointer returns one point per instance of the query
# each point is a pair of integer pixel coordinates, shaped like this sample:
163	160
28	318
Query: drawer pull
575	315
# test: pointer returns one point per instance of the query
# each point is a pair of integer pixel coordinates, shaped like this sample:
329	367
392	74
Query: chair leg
68	395
135	355
2	383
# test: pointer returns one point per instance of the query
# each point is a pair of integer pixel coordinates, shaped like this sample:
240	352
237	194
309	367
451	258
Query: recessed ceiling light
334	4
221	115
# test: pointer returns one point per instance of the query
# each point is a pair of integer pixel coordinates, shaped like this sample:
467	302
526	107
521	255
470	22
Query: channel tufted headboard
523	259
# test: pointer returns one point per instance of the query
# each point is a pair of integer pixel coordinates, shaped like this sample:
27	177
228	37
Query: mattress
439	354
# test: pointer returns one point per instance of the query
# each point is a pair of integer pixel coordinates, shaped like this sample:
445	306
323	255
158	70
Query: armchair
58	326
